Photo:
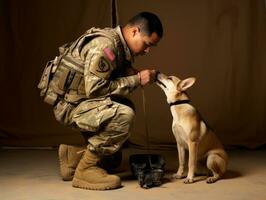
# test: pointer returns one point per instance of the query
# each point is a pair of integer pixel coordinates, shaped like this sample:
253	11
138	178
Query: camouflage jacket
93	66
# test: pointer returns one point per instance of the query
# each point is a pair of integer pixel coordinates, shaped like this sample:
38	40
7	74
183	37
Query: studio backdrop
220	42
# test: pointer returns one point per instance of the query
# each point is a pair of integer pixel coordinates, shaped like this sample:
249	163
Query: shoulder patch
103	66
100	66
109	54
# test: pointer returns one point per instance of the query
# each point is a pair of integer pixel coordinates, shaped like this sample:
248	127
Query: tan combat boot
69	157
89	176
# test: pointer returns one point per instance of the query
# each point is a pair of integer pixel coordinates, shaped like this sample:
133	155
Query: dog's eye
170	78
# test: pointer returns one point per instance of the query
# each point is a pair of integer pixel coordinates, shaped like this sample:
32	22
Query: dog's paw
178	176
211	179
189	180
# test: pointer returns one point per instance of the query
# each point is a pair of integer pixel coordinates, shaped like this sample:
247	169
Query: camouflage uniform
106	60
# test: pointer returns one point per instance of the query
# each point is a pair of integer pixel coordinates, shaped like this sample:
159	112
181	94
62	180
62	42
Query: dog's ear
186	83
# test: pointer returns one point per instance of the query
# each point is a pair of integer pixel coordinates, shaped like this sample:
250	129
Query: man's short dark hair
148	23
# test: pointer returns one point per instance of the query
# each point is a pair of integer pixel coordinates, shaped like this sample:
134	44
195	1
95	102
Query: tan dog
191	132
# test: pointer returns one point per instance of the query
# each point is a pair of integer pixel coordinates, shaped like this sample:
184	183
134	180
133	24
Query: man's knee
129	114
125	115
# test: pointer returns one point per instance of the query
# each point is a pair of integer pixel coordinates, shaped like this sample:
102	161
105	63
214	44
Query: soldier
96	73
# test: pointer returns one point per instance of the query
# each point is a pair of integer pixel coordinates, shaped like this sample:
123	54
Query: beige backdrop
220	42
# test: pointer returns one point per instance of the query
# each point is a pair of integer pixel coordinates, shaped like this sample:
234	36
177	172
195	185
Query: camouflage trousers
107	122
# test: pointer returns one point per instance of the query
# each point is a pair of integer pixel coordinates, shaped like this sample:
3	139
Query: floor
33	174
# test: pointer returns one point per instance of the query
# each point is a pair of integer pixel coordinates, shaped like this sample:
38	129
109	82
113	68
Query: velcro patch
103	66
109	54
100	66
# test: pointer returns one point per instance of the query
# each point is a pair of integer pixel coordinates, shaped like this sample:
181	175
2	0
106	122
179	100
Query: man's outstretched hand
147	76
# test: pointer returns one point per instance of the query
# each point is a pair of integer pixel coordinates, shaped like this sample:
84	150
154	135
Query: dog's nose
157	74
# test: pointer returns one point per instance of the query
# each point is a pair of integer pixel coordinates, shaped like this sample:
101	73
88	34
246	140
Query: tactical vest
63	77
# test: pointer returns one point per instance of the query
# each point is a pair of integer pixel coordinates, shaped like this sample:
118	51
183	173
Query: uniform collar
127	51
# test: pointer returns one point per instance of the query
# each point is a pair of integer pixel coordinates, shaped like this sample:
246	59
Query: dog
191	132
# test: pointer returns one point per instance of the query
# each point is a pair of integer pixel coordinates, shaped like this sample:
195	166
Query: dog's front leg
192	161
181	157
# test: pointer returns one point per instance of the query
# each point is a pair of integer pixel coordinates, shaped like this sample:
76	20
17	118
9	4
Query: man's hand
147	76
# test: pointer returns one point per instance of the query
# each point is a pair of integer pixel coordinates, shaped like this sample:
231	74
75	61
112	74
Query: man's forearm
96	86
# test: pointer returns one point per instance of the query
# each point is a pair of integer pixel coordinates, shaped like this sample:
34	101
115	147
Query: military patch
103	66
100	66
109	54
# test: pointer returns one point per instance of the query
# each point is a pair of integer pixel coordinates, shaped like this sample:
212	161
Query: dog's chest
179	131
180	134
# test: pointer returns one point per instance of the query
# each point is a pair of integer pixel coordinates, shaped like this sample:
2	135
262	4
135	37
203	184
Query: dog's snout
156	75
158	79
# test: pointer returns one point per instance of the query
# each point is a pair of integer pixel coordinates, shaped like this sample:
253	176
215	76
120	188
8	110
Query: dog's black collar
179	102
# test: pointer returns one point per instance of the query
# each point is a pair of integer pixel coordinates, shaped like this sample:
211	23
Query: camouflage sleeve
100	61
131	71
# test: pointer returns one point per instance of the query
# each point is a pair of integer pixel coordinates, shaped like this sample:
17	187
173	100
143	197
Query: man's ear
186	83
135	30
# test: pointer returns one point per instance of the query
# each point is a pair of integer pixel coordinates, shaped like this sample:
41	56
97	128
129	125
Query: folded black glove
148	169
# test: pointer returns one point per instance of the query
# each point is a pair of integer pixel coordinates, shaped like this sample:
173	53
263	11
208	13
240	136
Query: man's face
141	43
